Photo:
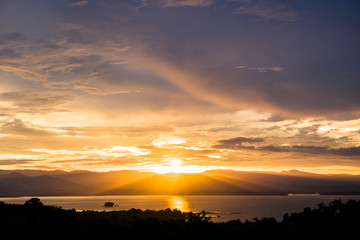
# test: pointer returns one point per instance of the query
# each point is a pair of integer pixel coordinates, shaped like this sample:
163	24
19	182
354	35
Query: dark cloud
267	9
17	127
353	151
16	162
83	59
79	3
12	37
274	118
183	3
237	143
9	53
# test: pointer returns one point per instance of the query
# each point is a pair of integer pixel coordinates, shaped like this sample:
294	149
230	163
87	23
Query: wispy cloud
12	36
48	61
267	10
16	162
237	143
352	151
115	151
183	3
261	69
79	3
17	127
35	103
97	91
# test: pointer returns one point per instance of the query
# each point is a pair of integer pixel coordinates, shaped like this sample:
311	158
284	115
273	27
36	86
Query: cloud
115	151
16	162
274	118
97	91
352	151
13	104
9	53
17	127
12	36
183	3
88	57
262	69
28	101
237	143
267	10
322	145
130	131
61	56
79	3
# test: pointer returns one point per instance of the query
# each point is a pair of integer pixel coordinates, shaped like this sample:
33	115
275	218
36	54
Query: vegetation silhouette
34	202
33	220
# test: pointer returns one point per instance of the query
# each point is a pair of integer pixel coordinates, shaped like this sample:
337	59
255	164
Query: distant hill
99	182
289	182
179	184
55	183
16	184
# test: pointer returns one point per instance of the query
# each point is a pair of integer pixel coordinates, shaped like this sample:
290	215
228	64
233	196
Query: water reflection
178	203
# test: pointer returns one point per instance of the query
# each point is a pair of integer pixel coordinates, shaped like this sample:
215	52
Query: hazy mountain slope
289	182
15	184
209	182
179	184
33	173
98	182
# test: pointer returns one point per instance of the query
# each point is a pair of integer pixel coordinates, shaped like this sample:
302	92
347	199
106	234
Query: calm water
222	208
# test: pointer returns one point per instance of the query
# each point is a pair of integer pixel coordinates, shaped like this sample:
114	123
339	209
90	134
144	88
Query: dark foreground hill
34	221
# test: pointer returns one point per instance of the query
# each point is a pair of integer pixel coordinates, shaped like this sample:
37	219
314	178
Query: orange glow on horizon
175	166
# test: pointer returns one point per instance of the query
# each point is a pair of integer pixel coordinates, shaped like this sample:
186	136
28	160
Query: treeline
33	220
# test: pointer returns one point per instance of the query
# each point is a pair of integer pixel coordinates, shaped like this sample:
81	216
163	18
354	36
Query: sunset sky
180	85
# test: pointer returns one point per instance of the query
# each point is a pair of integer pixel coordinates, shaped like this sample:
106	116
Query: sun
175	166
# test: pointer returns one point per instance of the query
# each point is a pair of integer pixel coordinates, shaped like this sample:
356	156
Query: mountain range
226	182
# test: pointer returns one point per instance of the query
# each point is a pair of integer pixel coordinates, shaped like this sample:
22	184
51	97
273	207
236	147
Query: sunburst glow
175	166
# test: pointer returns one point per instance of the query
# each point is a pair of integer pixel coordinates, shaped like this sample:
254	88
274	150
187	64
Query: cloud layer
214	83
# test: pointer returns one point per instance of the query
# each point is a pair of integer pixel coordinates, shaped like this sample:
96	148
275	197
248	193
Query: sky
180	85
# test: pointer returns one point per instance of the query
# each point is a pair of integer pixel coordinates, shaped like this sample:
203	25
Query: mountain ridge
212	182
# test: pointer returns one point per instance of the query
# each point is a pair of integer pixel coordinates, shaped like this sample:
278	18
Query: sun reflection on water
178	203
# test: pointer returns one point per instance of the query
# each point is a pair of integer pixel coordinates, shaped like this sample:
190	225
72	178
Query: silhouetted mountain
33	173
12	175
288	182
179	184
209	182
98	182
15	184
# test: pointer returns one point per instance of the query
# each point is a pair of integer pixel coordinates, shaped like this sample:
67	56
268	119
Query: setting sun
175	166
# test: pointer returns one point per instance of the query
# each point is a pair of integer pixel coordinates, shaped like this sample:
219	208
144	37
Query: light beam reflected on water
178	203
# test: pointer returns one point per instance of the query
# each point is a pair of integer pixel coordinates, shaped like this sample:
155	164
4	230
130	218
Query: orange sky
179	86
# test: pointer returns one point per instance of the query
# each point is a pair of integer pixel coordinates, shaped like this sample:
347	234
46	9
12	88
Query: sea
221	208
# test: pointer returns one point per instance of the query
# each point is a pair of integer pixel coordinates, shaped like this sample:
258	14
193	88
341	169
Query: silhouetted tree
34	202
197	217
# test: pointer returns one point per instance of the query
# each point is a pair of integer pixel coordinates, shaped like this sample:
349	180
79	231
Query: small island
109	204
